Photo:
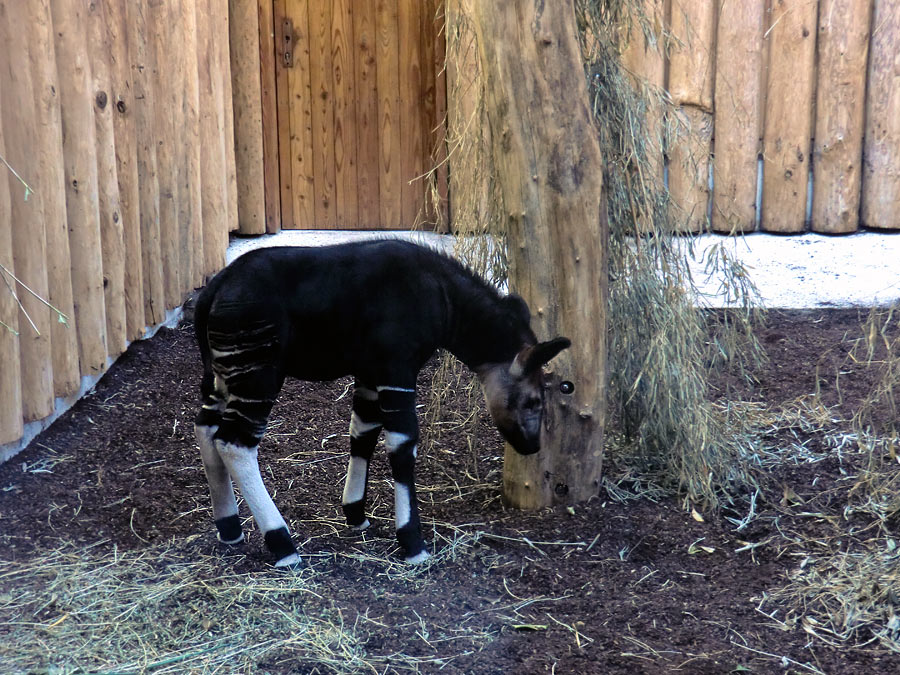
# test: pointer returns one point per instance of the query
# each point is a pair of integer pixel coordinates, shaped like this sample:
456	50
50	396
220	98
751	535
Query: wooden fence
789	109
117	184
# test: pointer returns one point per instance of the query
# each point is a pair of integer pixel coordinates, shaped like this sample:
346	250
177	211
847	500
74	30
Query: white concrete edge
63	403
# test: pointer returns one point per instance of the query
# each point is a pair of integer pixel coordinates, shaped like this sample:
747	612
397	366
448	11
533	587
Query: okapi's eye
566	387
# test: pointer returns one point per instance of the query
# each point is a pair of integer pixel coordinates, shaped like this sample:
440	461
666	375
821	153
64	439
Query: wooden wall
353	112
778	96
117	182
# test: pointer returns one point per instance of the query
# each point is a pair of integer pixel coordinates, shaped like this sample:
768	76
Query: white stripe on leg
358	427
243	465
355	485
402	507
220	489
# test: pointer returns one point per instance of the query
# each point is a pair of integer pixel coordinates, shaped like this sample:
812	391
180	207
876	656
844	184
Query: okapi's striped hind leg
365	427
221	491
398	414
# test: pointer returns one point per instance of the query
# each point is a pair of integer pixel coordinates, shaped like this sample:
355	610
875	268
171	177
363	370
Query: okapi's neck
483	328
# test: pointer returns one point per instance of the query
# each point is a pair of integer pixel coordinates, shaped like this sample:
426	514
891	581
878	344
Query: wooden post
82	199
26	213
322	86
411	165
220	17
551	177
11	427
189	184
271	162
248	130
213	178
737	99
788	129
435	33
51	185
881	167
166	72
840	98
141	61
113	251
691	88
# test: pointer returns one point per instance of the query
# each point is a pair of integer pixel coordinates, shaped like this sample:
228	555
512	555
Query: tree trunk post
550	172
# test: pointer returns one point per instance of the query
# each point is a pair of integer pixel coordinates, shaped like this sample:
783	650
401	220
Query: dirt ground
617	585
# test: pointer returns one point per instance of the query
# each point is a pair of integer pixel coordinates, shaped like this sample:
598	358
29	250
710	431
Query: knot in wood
101	99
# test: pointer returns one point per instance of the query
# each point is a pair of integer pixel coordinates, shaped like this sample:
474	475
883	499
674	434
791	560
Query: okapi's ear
531	359
543	352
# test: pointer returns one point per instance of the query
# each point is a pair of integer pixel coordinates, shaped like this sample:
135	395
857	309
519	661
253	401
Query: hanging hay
662	346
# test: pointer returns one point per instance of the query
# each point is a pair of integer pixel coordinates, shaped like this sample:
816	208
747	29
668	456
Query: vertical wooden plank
364	60
284	55
693	26
166	68
268	92
881	167
220	17
843	51
213	171
111	239
26	213
82	200
388	78
412	151
345	124
140	54
124	129
689	159
51	184
737	99
190	206
11	427
248	130
437	29
788	128
690	84
301	118
321	85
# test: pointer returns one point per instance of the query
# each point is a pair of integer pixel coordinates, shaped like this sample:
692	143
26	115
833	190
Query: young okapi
376	310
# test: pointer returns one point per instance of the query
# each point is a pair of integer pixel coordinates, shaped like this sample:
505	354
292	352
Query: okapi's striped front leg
365	427
398	414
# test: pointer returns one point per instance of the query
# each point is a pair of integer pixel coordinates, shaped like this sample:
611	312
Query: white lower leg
355	485
243	466
221	490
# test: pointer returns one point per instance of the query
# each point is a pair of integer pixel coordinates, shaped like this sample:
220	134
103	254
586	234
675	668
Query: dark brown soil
616	586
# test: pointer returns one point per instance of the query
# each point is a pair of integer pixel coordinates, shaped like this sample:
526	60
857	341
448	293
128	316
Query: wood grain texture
788	128
11	424
190	207
269	98
220	18
213	167
551	177
111	235
51	184
301	128
412	120
691	59
322	91
82	199
125	131
246	102
881	153
737	102
345	118
689	159
284	36
389	130
367	137
840	100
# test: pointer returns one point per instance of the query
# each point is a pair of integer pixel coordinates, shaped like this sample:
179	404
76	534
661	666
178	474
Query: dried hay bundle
848	598
165	610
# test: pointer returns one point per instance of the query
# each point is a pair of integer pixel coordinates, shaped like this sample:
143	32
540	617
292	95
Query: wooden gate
361	107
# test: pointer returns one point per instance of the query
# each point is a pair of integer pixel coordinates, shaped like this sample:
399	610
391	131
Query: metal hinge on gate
287	43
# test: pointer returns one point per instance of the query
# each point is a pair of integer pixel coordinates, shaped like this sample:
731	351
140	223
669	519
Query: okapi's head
515	394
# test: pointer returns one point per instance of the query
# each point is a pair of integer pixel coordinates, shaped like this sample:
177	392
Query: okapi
376	310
